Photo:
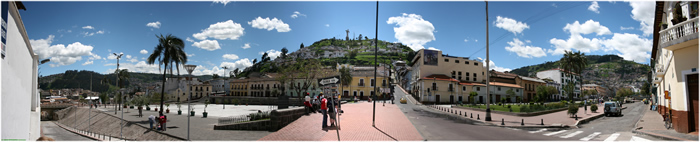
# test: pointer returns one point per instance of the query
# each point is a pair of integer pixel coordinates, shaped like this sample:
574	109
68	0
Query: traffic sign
329	80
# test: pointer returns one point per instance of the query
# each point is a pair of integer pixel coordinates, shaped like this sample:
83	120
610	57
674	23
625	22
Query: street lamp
189	69
117	76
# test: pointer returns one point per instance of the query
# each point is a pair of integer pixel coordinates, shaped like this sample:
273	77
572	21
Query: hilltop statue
347	34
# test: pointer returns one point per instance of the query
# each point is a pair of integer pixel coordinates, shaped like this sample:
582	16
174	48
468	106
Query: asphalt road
57	133
618	124
432	127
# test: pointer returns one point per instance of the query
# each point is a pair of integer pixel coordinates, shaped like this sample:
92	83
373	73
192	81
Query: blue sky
83	35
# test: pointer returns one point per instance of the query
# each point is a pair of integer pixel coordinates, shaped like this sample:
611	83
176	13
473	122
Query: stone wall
278	119
253	100
259	125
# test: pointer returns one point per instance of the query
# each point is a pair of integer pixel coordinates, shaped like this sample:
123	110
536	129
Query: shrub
525	108
499	103
564	101
573	109
594	107
531	103
508	106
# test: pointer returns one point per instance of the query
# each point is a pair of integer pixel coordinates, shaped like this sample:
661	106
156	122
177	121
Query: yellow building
675	64
362	86
239	87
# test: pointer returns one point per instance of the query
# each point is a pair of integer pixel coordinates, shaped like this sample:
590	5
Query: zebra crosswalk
589	136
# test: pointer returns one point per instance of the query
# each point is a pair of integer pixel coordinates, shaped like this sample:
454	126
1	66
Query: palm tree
170	49
122	75
575	62
345	77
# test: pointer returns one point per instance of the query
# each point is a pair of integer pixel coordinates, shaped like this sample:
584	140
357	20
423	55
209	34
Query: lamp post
488	93
117	76
225	86
189	68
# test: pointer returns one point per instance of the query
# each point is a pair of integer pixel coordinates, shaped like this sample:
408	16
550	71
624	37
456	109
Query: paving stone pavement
556	118
355	125
652	123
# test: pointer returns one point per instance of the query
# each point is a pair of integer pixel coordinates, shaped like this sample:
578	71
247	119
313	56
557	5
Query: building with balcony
20	101
529	86
239	87
674	62
562	78
433	63
362	85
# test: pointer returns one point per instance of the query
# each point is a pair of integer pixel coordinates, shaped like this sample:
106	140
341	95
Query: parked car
612	108
403	100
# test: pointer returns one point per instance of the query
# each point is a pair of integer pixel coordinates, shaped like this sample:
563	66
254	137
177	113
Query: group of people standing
159	121
327	105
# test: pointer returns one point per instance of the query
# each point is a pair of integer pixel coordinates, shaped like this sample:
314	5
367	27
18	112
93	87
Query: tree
300	75
169	49
345	76
215	76
122	75
542	93
284	53
301	46
510	93
569	90
575	62
360	37
473	95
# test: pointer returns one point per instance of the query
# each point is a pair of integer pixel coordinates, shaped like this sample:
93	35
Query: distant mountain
81	79
607	70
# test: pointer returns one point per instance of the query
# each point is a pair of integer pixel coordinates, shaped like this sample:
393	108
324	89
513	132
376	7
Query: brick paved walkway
556	118
355	125
652	123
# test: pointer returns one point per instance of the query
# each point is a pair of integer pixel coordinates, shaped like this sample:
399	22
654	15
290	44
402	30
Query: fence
243	118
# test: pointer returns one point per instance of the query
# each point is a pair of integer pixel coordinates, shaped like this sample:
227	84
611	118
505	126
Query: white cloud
143	51
222	1
94	57
465	40
511	25
230	56
272	53
626	28
523	50
240	64
210	45
133	60
492	66
221	30
189	39
190	55
246	46
297	14
260	23
100	32
87	63
588	27
128	56
60	54
141	67
554	5
154	24
433	48
412	30
328	25
643	11
631	46
88	27
594	7
575	41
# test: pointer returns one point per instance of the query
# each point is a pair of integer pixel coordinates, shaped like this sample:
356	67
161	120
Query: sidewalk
652	123
355	125
555	119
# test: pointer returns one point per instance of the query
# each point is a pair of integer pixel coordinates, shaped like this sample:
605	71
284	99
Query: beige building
239	87
530	86
264	86
430	67
675	64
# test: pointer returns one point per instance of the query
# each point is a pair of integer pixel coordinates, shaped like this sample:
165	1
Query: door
452	99
498	98
437	99
459	99
481	99
692	86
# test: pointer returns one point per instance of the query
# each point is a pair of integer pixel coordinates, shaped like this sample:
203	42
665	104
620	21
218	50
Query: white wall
18	84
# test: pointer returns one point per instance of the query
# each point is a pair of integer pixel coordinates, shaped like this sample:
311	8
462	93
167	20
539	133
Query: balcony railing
681	32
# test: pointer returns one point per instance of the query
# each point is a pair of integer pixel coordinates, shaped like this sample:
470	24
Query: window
434	86
476	64
450	87
467	74
517	90
362	82
499	88
447	60
466	62
459	73
456	61
478	88
383	82
371	81
475	78
464	88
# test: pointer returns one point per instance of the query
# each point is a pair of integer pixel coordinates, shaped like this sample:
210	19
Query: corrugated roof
532	79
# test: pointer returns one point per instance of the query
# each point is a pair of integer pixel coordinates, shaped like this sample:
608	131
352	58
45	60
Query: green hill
81	79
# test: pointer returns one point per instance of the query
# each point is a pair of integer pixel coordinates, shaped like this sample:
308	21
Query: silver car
612	108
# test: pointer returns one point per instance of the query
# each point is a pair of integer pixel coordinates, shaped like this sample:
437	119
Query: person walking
331	111
151	120
324	109
161	119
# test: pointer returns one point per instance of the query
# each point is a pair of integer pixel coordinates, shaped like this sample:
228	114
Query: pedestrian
165	121
151	120
162	121
331	111
307	104
323	111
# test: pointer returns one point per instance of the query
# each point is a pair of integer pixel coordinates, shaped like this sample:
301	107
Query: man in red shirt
324	109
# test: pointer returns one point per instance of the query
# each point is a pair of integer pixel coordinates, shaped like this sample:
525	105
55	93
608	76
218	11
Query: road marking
634	138
513	129
541	130
572	134
612	137
554	133
589	137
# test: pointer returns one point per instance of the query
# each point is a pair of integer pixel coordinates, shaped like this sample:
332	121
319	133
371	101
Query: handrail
679	30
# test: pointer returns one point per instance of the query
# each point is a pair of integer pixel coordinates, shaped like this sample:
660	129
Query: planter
131	107
191	113
156	109
204	114
179	112
167	110
124	106
148	108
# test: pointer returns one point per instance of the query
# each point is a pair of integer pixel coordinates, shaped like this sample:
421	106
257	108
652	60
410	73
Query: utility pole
376	31
488	82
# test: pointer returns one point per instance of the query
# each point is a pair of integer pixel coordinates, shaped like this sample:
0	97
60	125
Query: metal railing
683	30
243	118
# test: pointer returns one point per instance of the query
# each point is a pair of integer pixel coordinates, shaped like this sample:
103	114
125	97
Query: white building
20	97
563	78
219	86
175	87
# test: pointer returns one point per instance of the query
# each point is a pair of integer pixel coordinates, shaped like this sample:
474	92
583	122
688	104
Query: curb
660	136
585	120
84	135
454	116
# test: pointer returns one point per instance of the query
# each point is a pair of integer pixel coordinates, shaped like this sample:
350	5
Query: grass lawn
503	108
